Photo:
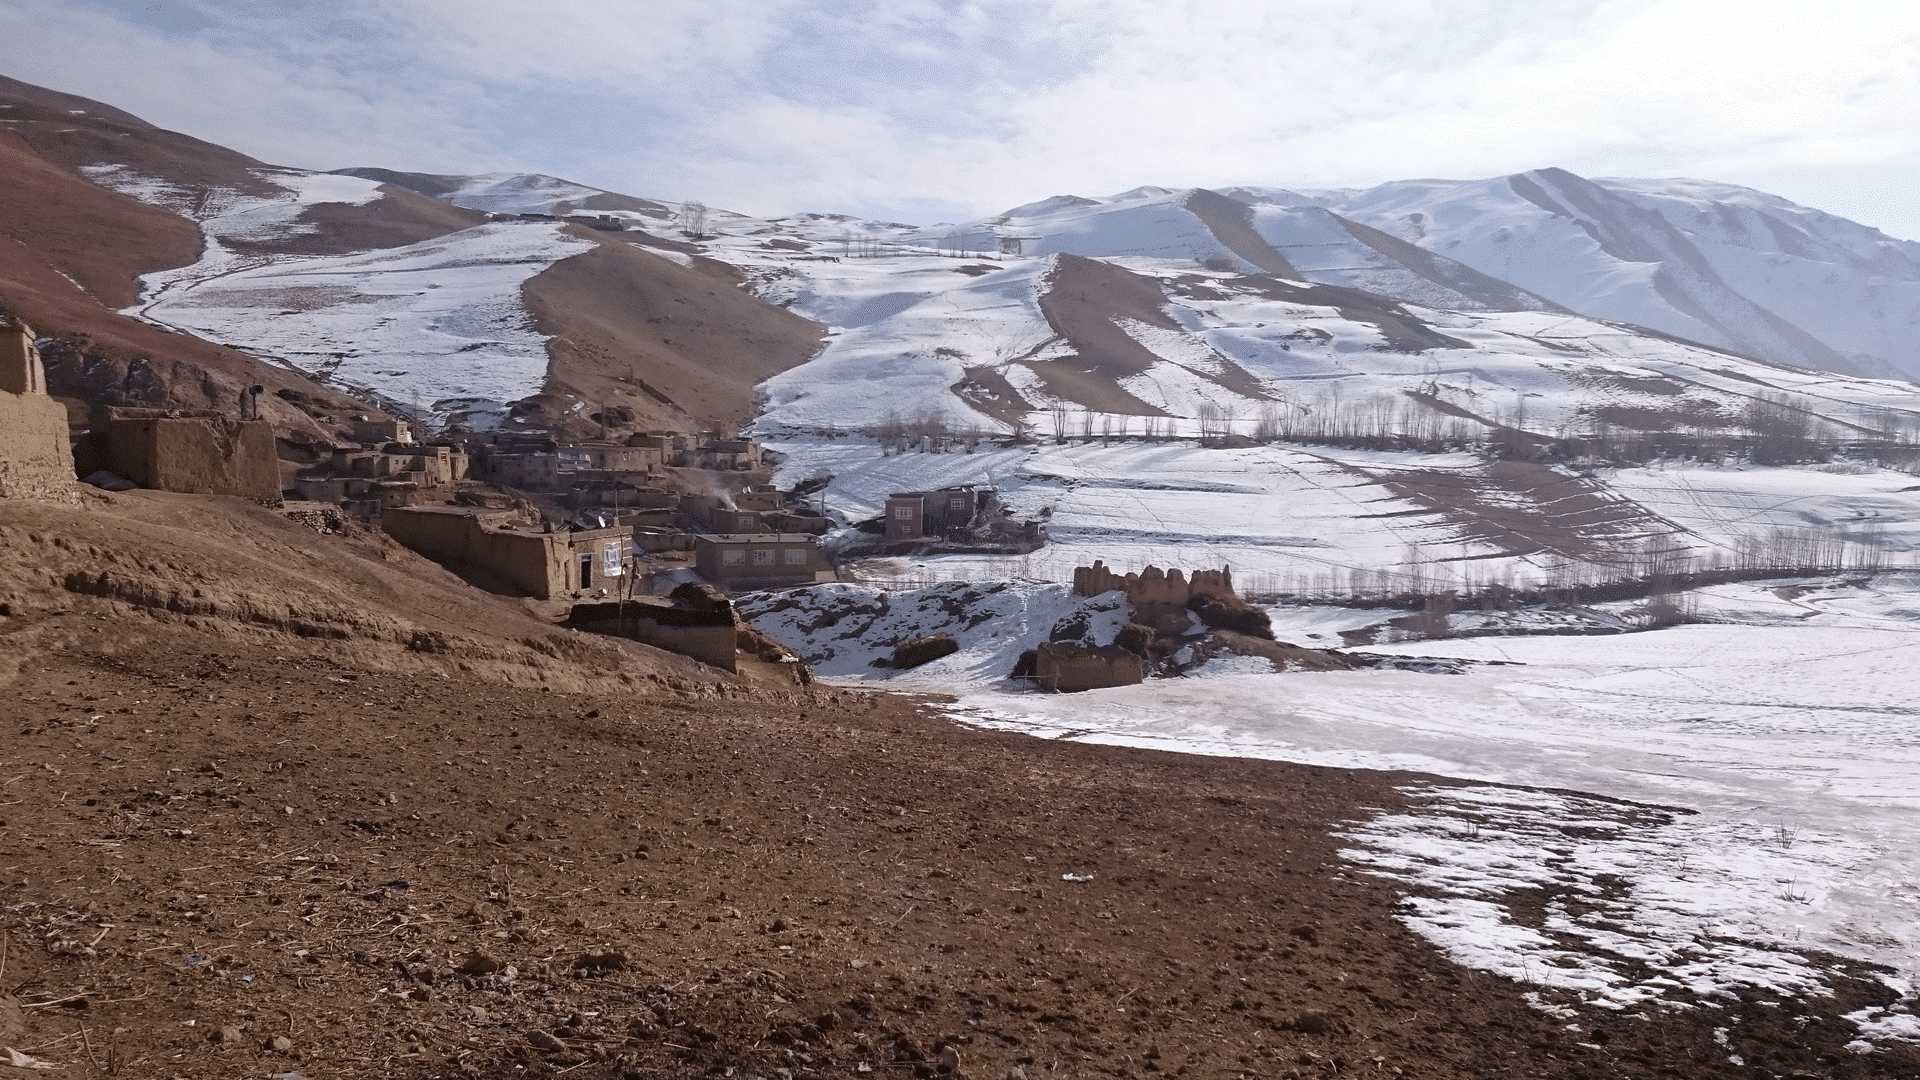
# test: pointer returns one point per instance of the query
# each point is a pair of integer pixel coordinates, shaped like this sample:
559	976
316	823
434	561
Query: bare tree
892	431
1208	414
693	219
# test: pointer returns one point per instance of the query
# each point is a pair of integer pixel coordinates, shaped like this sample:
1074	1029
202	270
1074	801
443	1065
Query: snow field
1320	518
440	321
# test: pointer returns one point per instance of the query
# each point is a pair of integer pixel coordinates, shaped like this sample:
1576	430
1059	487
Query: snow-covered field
1781	732
1291	517
441	319
440	322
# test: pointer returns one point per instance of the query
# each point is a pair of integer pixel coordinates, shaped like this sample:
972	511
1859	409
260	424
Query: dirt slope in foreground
216	835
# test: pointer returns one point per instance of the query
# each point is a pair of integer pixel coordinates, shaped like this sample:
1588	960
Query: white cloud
915	107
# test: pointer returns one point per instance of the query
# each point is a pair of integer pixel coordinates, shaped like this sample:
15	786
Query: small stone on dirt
227	1034
611	960
1312	1023
280	1044
480	963
545	1043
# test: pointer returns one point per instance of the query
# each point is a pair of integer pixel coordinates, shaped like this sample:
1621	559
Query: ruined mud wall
199	454
711	637
1154	585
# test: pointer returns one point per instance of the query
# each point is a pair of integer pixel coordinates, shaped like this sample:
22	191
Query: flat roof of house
448	509
756	538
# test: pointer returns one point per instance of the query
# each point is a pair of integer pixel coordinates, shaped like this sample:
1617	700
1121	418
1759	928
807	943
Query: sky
922	111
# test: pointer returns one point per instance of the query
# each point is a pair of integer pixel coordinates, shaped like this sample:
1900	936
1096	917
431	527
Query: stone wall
198	453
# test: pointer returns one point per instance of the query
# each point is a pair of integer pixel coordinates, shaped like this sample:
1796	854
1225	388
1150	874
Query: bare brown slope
672	346
72	253
1231	223
397	218
156	561
74	131
101	240
1083	299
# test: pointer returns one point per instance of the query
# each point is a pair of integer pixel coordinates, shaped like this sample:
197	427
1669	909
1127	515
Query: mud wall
1154	585
1070	669
35	460
717	646
205	454
531	561
20	369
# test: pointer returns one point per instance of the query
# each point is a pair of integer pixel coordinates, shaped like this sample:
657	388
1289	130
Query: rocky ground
230	850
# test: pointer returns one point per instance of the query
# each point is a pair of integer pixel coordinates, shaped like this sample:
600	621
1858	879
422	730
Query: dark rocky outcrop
924	650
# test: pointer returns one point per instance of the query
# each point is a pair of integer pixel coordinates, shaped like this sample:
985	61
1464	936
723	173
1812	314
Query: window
763	556
733	557
586	571
795	556
610	559
903	513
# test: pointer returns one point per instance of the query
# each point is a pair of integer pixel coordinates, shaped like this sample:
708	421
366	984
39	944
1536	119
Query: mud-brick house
564	467
760	560
547	562
36	459
708	632
912	515
381	432
199	452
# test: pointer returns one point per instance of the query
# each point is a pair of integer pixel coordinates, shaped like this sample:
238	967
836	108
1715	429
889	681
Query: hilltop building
196	451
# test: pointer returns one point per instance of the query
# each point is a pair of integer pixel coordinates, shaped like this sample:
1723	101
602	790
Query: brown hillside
73	131
676	347
1231	223
71	253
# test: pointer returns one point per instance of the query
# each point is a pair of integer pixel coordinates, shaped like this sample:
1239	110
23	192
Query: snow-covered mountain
1714	263
1433	348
